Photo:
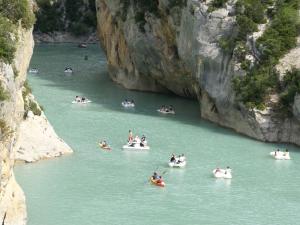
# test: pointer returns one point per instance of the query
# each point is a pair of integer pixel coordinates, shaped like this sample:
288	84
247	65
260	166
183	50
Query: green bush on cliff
5	130
216	4
290	87
277	40
281	36
32	106
177	3
18	10
26	90
49	16
11	13
3	93
77	17
141	8
7	41
252	88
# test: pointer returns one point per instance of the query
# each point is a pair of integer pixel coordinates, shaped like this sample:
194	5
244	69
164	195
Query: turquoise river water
93	187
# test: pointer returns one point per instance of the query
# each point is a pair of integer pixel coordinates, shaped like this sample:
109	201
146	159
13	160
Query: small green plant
5	130
18	10
3	93
279	37
216	4
77	17
34	108
177	3
26	90
7	42
15	70
290	87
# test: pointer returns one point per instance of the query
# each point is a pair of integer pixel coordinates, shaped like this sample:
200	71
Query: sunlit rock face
176	49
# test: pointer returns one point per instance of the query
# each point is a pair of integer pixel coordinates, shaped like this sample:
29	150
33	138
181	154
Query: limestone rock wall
12	199
178	51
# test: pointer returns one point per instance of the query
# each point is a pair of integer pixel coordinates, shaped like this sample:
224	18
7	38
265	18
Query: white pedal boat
33	70
135	146
68	70
177	164
128	104
166	112
280	155
82	102
222	173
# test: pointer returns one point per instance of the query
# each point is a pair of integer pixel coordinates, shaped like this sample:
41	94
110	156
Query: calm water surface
94	187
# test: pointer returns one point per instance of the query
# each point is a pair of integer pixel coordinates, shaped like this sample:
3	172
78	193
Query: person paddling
173	158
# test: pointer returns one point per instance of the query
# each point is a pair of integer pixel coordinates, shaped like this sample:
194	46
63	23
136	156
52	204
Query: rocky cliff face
177	49
12	199
28	139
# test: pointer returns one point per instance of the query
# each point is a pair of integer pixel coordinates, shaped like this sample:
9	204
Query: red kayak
157	182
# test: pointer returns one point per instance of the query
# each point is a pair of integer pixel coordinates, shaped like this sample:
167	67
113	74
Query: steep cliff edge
180	46
12	199
16	47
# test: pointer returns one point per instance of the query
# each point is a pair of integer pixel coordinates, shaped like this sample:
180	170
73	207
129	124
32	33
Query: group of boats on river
140	144
67	70
128	104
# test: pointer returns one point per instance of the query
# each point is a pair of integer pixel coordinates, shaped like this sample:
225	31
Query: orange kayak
158	182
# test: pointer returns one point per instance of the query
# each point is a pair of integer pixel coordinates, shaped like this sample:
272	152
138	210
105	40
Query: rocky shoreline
64	37
37	140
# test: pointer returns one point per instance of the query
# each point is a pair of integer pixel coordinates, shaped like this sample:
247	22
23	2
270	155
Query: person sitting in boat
182	157
143	141
217	170
171	108
277	151
155	176
137	139
77	98
130	136
83	99
286	152
173	158
227	170
104	144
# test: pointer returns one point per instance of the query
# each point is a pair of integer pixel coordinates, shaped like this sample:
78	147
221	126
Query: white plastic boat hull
81	102
165	112
33	71
135	147
177	165
222	174
281	155
128	105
